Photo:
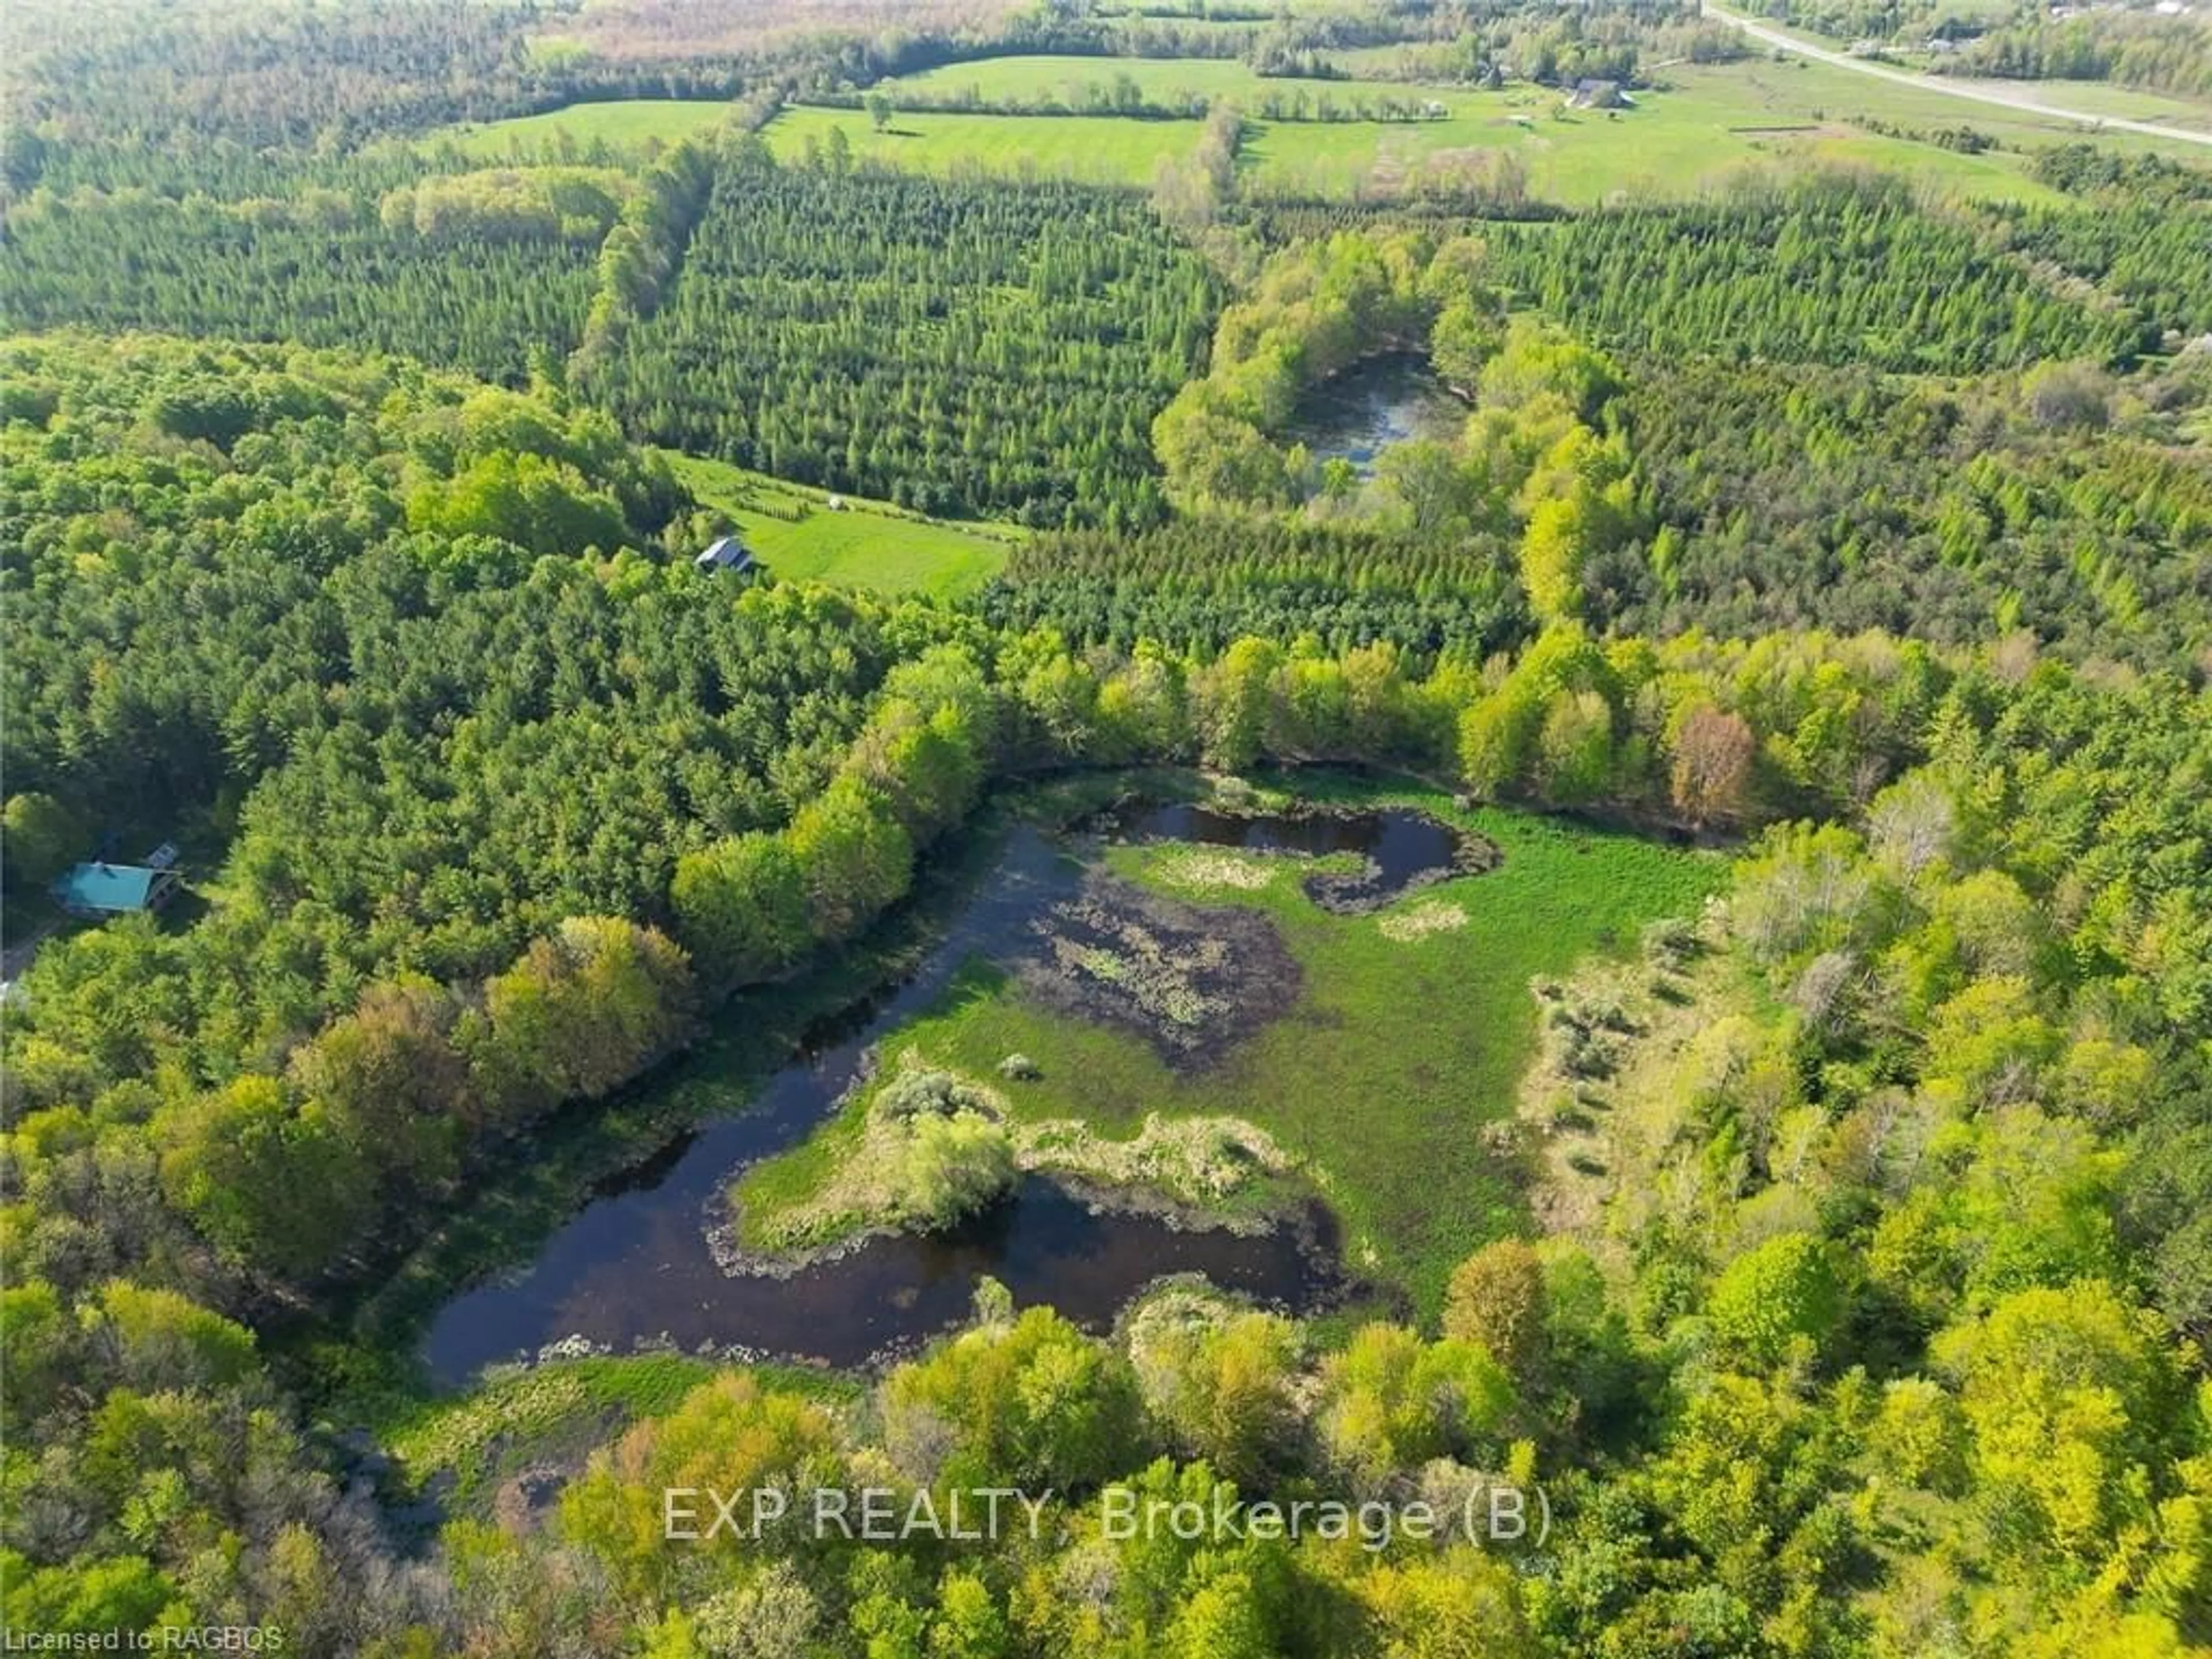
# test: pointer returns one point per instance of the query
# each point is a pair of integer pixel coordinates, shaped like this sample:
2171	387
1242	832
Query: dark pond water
1382	401
634	1265
1401	848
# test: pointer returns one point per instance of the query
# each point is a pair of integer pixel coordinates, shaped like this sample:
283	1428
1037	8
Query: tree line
1125	96
2162	54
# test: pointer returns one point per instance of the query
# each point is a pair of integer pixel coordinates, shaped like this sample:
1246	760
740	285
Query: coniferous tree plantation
1830	274
764	903
988	348
329	275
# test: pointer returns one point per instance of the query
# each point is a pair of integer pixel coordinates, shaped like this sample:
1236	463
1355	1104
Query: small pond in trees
1383	400
636	1264
1399	848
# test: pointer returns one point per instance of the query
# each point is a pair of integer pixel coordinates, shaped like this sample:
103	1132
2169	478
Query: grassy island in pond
1349	1084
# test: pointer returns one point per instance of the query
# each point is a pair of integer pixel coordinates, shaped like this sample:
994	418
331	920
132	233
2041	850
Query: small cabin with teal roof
100	889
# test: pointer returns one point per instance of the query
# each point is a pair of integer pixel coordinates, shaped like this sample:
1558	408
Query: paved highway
1979	92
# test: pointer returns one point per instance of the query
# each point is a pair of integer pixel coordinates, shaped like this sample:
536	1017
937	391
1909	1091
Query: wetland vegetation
1323	1042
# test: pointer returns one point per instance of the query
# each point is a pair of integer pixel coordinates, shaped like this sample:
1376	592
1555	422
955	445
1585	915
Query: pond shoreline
634	1145
1389	396
648	1256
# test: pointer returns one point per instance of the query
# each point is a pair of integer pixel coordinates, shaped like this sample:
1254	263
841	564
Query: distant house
1598	95
100	889
728	553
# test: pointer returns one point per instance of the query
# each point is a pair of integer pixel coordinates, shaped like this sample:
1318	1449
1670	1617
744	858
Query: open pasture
1706	124
1172	81
1703	127
1703	124
793	532
628	125
1091	150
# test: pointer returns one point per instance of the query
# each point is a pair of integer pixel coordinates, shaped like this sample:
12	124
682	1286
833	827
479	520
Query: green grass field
793	531
625	124
1170	81
1704	123
1387	1101
1708	124
1091	149
2097	97
1822	91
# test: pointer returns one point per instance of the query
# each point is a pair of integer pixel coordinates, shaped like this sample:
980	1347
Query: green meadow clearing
1825	91
1091	150
1385	1101
2099	98
1701	125
794	533
1168	81
1707	123
625	124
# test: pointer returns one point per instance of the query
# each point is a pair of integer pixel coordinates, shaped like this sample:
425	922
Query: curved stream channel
633	1266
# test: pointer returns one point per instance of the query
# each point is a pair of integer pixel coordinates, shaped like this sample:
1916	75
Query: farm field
1386	1103
1809	88
626	124
1702	124
1706	124
1677	142
866	545
1164	80
1091	150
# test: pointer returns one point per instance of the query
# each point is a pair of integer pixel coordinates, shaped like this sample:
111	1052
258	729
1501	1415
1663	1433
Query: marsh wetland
1125	1005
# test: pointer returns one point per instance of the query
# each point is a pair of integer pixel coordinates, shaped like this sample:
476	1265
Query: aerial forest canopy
631	579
